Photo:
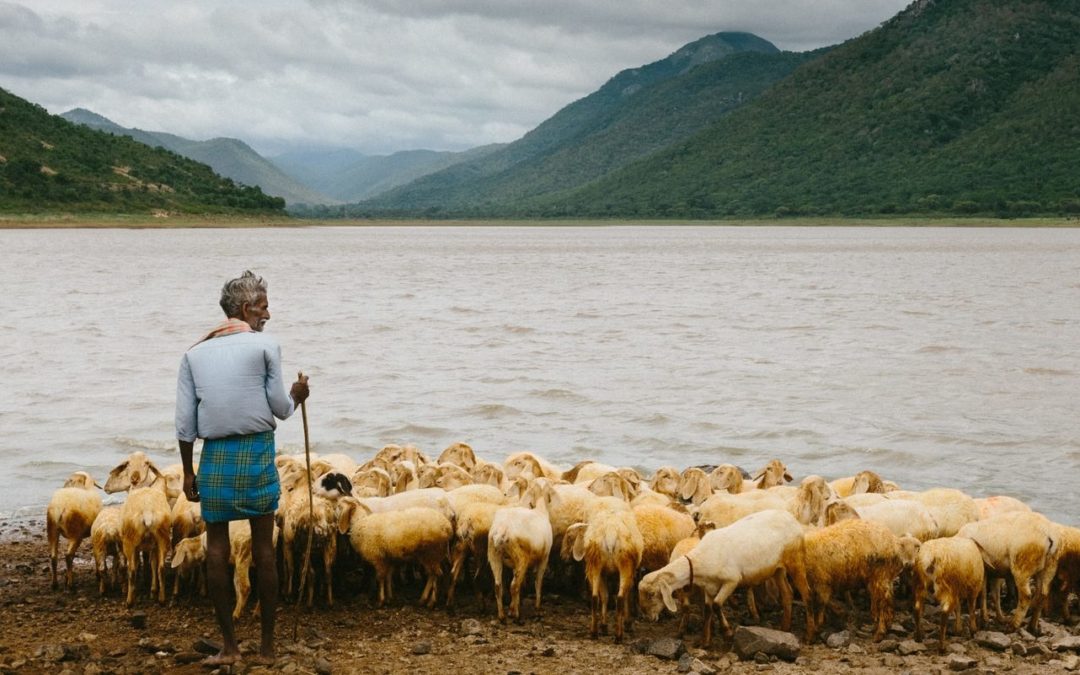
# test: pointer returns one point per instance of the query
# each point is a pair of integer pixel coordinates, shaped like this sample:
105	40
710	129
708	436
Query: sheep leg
457	563
797	570
69	560
684	612
972	603
329	553
706	623
382	573
434	574
751	604
944	628
721	597
622	600
241	585
595	581
882	605
996	592
1023	600
162	551
287	567
53	533
520	570
785	598
603	603
1043	580
496	564
918	593
130	554
540	570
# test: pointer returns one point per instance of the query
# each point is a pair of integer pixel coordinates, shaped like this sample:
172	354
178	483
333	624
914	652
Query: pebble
958	662
188	657
749	640
205	646
839	639
472	627
992	640
1070	643
667	648
323	667
138	620
888	646
421	648
909	647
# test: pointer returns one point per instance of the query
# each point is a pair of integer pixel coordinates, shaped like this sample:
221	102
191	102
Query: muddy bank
78	631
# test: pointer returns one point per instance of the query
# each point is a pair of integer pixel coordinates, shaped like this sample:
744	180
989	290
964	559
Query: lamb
451	476
856	554
729	478
761	546
105	541
950	508
146	524
521	538
134	472
609	542
71	513
489	474
186	519
373	482
863	482
417	534
587	471
953	568
1024	545
189	562
611	484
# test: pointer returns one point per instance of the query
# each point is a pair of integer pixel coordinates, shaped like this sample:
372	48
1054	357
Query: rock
685	662
909	647
550	651
1068	643
667	648
75	652
208	647
839	640
472	627
323	667
856	648
888	646
421	648
188	657
53	653
1019	649
87	637
956	648
992	640
1025	636
699	667
749	640
138	620
641	646
892	661
960	662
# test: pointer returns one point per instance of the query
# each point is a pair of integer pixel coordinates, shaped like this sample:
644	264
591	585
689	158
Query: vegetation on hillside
49	164
958	107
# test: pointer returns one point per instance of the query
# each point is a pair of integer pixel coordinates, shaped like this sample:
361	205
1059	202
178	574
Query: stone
888	646
138	620
188	657
472	627
421	648
855	648
685	661
958	662
909	647
892	661
667	648
75	652
205	646
323	667
53	653
1068	643
750	640
993	640
641	646
550	651
699	667
839	640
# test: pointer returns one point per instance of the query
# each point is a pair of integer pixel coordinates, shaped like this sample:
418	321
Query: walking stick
311	503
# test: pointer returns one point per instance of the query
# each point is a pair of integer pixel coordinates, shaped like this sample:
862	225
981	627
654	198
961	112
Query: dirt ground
78	631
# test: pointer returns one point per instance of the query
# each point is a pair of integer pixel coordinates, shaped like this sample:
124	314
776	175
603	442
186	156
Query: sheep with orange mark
610	543
1025	546
951	568
520	537
856	554
71	514
762	546
418	535
992	506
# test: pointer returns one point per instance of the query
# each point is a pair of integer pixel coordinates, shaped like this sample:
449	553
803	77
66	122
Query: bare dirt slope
78	631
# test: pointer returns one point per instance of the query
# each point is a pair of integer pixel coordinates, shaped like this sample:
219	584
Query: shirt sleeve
187	420
281	403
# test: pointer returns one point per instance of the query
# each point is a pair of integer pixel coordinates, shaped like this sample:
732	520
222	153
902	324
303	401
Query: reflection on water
934	356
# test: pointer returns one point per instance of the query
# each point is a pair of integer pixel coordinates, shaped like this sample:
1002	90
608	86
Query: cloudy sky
374	75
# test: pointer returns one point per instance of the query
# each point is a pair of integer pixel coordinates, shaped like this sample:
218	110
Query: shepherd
228	392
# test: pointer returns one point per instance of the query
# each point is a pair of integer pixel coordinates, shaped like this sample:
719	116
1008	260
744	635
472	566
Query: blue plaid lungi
238	478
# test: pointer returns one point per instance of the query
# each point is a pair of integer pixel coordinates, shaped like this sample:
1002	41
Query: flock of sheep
680	537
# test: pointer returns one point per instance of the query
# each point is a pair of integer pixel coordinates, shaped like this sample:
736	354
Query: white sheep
520	537
902	516
773	474
460	454
189	562
186	519
762	546
992	506
952	568
106	542
533	466
723	509
1068	569
146	524
316	519
71	513
417	534
666	481
1024	545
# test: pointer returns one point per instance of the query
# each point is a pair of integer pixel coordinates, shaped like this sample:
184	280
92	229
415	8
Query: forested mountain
636	112
227	156
349	176
952	106
50	164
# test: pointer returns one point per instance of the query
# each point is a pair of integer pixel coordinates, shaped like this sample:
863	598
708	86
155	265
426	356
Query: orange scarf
227	327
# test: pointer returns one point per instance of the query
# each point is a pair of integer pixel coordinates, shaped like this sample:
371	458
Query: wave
938	349
558	395
493	411
518	330
1052	372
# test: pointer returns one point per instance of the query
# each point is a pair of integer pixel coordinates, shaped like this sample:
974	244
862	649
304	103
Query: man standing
229	390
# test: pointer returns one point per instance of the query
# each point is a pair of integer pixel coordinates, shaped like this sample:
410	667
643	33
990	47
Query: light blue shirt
229	386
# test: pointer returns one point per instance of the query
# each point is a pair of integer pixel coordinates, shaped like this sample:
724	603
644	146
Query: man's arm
191	486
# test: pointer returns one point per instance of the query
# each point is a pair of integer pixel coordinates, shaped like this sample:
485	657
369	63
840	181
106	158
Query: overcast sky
374	75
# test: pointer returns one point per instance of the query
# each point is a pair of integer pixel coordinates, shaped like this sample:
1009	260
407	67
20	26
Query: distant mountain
955	107
638	111
350	176
227	156
49	164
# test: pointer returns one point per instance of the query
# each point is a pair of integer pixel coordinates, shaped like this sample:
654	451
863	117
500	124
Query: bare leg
217	578
262	554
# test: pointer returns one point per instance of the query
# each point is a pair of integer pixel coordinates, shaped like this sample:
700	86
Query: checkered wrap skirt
237	477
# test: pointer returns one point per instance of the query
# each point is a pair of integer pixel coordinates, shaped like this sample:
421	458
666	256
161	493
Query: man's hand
191	487
299	391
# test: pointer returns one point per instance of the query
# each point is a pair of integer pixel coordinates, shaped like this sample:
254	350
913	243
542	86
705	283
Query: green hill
952	106
49	164
227	156
635	113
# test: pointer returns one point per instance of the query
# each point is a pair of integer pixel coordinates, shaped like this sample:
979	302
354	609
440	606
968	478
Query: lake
934	356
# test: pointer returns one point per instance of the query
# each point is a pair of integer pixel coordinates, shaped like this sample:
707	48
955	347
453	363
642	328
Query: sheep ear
667	594
787	477
759	475
579	541
153	469
346	506
689	486
179	555
119	480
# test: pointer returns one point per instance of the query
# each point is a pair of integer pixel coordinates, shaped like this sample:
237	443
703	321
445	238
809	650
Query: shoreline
141	221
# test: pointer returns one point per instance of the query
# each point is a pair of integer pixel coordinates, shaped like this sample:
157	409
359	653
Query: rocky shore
79	632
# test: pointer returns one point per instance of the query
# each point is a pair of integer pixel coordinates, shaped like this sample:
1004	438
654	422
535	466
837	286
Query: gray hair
245	288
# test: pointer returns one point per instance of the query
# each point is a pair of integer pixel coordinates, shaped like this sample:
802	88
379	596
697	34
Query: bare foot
220	659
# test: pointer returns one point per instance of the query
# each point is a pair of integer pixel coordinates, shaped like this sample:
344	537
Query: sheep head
726	478
666	481
774	473
460	454
694	486
134	472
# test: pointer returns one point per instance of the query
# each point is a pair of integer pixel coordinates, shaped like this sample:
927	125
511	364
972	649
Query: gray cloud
375	75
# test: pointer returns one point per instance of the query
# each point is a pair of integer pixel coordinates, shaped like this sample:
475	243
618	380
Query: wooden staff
311	502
